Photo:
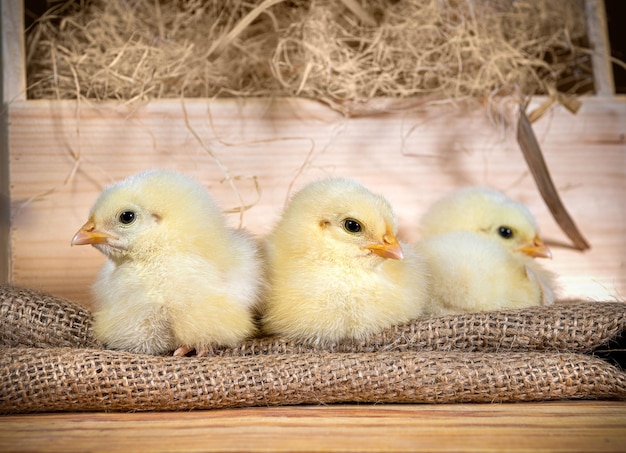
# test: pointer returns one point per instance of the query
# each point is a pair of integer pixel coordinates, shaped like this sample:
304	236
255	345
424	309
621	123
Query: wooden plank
598	35
61	157
5	204
562	426
11	88
13	65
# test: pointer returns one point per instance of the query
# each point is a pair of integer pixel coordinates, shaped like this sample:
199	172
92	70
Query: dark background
616	22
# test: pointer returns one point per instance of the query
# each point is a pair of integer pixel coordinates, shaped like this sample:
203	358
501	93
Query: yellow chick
336	268
177	278
487	211
479	246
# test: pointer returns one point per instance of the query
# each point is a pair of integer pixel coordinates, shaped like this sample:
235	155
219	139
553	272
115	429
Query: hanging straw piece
537	165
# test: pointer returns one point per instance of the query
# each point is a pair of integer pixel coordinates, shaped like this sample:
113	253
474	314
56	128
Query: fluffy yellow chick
177	278
486	211
336	267
479	246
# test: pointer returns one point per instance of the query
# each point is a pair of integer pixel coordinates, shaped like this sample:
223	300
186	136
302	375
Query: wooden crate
61	154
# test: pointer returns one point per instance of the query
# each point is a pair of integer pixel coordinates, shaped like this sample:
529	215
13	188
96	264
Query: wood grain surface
63	154
556	427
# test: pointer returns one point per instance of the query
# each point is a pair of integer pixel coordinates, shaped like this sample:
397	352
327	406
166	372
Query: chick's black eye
127	217
352	226
505	232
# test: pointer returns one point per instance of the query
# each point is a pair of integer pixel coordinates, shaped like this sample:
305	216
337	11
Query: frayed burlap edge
67	379
33	319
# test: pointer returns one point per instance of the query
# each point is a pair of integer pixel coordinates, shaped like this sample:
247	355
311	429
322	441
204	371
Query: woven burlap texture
70	379
34	319
51	362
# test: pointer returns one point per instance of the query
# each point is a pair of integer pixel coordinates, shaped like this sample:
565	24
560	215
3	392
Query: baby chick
336	267
479	246
177	278
486	211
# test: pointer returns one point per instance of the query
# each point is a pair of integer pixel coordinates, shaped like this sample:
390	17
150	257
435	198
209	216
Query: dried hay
336	52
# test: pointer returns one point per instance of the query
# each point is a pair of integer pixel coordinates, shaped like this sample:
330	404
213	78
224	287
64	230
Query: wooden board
63	154
537	427
13	81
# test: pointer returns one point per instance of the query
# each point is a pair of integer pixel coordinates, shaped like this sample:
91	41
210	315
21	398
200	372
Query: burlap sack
69	379
45	365
30	318
568	327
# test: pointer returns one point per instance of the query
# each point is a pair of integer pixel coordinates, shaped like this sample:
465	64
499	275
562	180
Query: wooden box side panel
62	155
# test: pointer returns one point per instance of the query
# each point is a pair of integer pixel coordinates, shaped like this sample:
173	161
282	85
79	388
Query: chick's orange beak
88	234
538	249
388	248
